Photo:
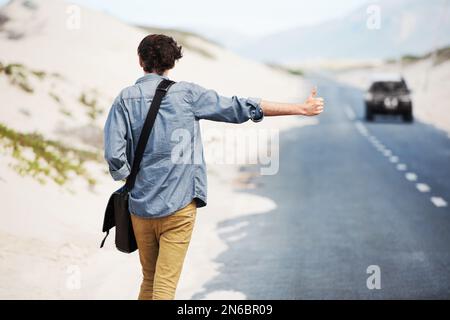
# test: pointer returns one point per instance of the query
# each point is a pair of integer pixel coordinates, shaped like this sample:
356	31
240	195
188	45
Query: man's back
172	171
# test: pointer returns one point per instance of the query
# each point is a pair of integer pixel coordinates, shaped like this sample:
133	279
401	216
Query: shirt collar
149	77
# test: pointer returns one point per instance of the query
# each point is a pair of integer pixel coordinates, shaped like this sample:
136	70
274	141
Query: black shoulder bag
117	213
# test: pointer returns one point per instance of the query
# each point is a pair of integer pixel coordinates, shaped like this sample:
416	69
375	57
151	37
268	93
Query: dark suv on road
389	95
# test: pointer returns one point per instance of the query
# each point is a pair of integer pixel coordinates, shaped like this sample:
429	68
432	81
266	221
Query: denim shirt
163	185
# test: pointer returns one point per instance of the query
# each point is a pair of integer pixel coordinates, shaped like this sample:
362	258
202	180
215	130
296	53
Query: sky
246	17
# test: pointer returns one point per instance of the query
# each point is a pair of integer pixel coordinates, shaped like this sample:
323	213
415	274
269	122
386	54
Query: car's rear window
388	86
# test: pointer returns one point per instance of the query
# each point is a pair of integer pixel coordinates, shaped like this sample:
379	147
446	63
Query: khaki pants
162	244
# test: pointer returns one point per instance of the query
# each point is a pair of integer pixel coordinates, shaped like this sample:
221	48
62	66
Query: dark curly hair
158	53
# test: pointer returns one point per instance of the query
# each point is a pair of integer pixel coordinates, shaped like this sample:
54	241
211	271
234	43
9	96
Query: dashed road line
411	176
381	148
375	142
387	153
422	187
393	159
439	202
350	113
361	128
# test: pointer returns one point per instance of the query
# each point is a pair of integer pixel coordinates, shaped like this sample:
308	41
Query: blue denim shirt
163	185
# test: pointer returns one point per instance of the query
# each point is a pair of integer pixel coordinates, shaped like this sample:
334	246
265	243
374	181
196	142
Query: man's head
158	53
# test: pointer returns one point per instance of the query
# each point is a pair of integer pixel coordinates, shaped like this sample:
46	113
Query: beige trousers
162	244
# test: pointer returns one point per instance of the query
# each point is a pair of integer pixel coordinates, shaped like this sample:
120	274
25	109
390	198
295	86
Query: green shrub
66	112
18	75
40	74
55	97
45	159
295	72
90	101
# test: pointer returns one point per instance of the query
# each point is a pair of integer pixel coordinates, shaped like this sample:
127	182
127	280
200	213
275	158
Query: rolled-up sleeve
208	104
115	132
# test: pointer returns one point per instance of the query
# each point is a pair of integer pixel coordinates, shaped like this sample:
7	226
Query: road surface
349	195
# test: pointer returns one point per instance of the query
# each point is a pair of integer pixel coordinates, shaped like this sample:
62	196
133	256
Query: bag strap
104	239
161	91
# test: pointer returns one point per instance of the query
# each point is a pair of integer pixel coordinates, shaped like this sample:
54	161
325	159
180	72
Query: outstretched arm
311	107
208	104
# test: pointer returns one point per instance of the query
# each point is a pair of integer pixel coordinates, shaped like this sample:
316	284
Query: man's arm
116	143
208	104
311	107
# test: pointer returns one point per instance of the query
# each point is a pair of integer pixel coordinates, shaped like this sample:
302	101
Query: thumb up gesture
313	106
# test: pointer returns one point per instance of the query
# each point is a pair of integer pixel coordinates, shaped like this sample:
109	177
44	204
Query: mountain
407	27
230	39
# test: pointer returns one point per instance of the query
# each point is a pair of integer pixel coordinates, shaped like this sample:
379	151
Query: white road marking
375	142
411	176
350	113
379	146
393	159
422	187
387	153
439	202
381	149
361	128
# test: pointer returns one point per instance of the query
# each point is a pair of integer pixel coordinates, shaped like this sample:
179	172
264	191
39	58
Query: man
166	194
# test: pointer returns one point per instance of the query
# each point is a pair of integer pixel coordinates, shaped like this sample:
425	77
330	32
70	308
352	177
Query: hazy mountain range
407	27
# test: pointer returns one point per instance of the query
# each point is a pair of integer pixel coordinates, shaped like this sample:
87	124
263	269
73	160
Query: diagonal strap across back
161	91
117	213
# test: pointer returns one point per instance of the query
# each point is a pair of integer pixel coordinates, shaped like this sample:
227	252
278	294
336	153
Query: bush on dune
90	100
439	56
18	75
45	159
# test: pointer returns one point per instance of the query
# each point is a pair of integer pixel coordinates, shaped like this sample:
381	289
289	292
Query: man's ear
140	62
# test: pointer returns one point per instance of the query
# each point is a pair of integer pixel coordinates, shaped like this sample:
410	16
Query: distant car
389	95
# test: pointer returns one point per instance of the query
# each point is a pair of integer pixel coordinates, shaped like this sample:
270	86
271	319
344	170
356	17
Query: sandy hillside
430	84
57	81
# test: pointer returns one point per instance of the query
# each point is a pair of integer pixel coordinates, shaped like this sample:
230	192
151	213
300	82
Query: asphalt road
349	195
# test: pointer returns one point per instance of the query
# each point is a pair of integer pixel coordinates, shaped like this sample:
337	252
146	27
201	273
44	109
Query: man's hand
313	106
